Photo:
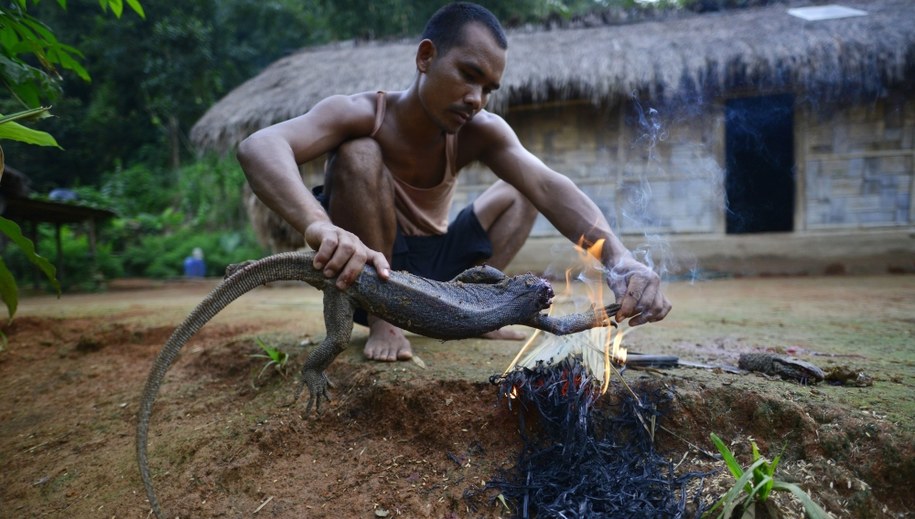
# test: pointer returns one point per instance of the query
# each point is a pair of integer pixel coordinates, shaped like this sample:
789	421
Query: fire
514	393
599	348
608	339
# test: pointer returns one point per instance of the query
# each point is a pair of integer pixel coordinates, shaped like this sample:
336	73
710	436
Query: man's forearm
579	219
273	175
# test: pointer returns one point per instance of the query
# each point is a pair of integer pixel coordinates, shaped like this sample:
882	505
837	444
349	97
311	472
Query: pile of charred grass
583	460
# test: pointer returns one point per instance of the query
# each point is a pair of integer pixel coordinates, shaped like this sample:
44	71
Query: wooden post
30	230
60	253
93	260
801	124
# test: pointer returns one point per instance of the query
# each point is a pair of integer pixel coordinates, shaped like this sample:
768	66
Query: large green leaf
41	112
728	457
731	499
135	5
14	233
117	7
25	82
17	132
9	292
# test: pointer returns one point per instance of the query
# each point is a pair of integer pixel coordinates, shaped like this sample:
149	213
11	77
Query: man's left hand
638	291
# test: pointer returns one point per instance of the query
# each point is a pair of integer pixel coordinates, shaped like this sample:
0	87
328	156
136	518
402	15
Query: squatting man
393	160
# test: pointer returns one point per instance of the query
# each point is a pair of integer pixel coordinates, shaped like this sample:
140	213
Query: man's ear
425	53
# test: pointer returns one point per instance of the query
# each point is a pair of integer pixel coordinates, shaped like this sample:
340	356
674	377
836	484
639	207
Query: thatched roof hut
758	48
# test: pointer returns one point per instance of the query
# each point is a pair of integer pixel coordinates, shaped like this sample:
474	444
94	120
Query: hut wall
857	165
646	174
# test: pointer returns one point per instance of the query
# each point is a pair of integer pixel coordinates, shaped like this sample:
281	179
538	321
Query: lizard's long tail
279	267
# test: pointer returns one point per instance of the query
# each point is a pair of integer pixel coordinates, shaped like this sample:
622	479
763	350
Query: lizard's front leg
574	323
483	274
338	321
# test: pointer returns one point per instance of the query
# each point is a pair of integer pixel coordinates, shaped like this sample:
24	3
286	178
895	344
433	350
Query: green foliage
25	246
154	246
21	36
162	255
276	358
117	6
10	129
24	37
9	290
162	216
134	191
754	485
82	271
210	193
153	78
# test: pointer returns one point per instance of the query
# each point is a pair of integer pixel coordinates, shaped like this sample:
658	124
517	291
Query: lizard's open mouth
547	295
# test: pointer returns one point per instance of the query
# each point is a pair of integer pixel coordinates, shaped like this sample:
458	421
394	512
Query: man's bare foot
386	342
505	334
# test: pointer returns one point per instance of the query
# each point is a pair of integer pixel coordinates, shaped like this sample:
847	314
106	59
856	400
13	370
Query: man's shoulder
485	134
354	112
488	118
354	103
488	126
488	122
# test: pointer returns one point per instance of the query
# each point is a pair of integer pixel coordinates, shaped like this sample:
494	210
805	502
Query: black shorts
440	257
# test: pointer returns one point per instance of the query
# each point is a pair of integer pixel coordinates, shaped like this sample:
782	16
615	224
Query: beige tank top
423	211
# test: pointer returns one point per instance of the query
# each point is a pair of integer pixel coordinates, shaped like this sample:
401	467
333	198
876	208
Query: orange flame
607	340
612	341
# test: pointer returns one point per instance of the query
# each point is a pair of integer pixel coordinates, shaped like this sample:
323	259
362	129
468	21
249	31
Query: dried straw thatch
758	49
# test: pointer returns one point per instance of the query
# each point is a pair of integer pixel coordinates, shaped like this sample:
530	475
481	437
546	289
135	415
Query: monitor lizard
479	300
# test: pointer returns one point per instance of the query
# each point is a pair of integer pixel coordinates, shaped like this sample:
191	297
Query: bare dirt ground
408	441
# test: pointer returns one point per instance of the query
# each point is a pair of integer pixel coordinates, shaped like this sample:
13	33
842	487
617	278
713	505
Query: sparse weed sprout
276	358
754	485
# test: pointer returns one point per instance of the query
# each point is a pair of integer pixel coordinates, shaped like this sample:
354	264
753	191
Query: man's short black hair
444	29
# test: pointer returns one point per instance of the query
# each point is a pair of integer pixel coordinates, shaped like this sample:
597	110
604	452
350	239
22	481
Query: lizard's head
533	291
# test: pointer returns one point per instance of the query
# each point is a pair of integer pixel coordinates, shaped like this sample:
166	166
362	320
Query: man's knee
356	155
355	163
503	201
522	209
526	207
363	151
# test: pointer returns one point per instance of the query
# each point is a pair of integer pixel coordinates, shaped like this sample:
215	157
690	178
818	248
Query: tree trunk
174	141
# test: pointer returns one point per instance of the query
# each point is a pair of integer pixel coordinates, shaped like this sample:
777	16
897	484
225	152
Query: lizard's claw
609	311
317	383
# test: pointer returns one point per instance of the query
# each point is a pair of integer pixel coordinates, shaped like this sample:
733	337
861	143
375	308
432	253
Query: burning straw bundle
578	461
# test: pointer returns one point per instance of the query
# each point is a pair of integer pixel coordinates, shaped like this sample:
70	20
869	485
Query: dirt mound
413	442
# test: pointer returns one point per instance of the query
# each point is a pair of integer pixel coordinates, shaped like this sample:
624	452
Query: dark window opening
759	143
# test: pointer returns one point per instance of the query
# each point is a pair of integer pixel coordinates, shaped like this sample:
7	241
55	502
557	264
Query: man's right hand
342	254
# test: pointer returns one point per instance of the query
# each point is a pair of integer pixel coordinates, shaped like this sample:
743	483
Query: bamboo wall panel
859	164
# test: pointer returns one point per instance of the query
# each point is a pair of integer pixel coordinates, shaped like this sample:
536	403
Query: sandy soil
405	440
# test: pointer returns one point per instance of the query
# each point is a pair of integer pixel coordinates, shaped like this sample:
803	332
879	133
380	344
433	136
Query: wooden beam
60	252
